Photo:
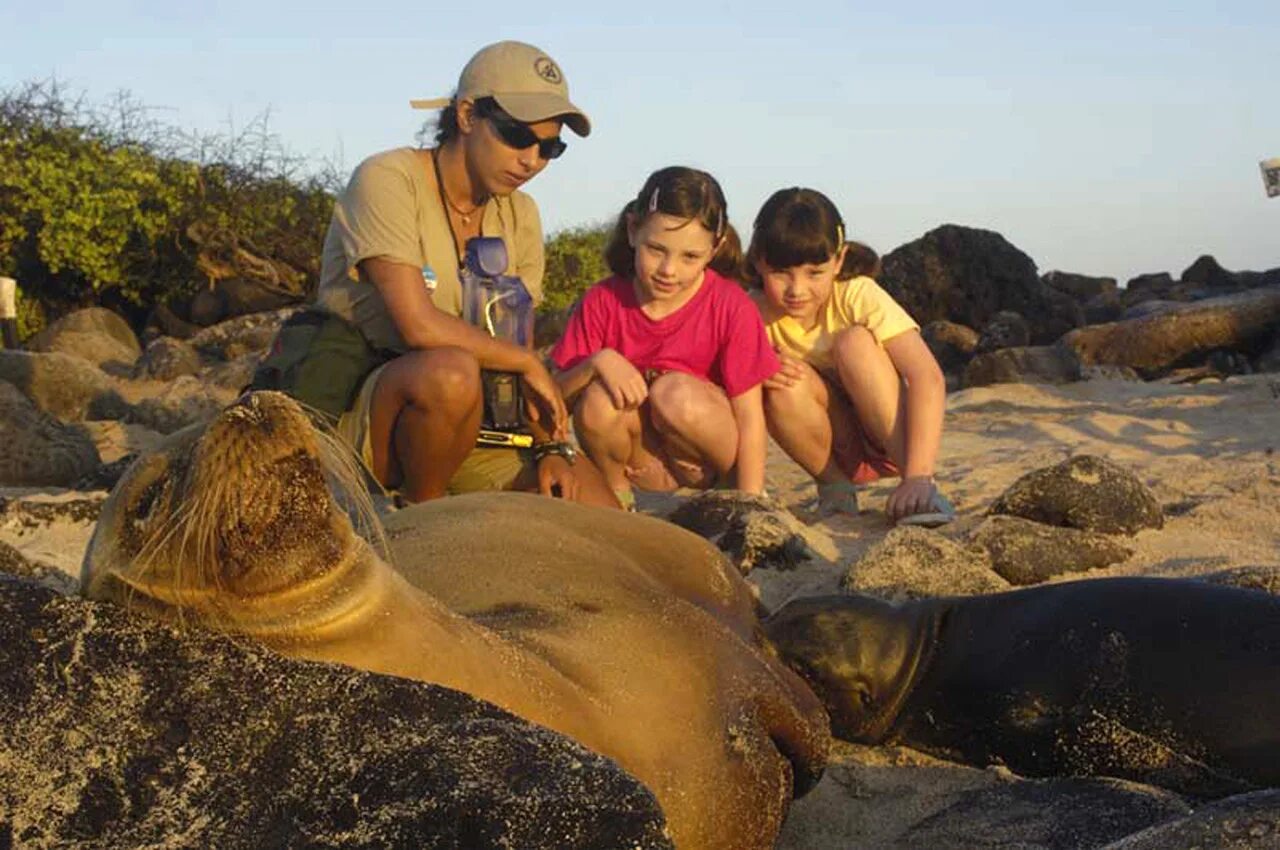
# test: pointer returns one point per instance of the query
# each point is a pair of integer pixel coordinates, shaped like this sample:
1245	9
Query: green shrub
575	260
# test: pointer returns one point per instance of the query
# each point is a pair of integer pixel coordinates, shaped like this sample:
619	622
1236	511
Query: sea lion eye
863	693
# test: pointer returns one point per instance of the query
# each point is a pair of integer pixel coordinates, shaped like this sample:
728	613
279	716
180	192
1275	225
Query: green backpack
321	360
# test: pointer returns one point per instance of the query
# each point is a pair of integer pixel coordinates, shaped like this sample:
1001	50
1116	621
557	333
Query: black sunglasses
517	134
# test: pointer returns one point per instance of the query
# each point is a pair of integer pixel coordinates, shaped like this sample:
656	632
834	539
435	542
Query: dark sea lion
1171	682
628	634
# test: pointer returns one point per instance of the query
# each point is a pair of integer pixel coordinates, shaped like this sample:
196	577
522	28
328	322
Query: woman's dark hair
446	123
685	193
798	227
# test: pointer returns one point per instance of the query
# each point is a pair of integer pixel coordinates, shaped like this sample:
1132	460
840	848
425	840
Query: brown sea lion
628	634
1170	682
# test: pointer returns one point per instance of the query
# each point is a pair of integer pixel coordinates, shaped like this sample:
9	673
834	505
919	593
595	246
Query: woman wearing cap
391	267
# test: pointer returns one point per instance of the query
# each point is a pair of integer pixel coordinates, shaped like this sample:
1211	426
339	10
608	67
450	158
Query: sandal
837	497
939	512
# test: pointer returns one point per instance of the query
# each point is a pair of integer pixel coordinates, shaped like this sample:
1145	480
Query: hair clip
653	200
839	235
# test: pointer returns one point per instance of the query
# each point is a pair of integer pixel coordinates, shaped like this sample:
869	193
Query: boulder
117	731
1243	822
952	344
37	450
166	358
1206	273
1152	345
1050	814
62	385
94	334
1085	492
184	402
163	321
912	563
1264	578
1006	329
966	275
236	337
1102	308
1025	552
1079	286
1035	364
1144	287
754	531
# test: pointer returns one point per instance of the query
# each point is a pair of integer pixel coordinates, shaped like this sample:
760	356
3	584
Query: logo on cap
547	69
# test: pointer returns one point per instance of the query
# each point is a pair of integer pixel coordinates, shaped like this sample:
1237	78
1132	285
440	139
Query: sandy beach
1206	450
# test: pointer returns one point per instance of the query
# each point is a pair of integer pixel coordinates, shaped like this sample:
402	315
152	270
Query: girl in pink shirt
662	364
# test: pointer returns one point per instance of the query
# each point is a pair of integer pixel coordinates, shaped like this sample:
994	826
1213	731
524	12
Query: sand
1206	450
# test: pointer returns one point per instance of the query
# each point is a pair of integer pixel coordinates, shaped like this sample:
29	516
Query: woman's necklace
463	215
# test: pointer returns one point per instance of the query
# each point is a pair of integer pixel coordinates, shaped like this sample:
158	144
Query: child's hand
913	496
790	375
623	381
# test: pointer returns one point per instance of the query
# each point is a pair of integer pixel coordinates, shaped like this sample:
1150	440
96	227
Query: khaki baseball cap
525	81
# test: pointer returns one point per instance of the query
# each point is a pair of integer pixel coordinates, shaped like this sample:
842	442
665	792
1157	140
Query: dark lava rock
1006	329
1035	364
116	731
166	358
1103	308
966	275
1244	822
37	449
1154	344
1026	552
1207	273
952	344
754	531
1085	492
1052	814
1080	286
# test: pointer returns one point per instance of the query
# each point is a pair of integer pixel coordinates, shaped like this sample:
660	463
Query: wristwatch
565	450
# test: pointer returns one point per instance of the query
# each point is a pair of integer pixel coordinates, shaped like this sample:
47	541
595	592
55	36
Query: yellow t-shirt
392	209
858	301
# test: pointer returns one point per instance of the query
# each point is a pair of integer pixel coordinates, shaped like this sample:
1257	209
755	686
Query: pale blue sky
1105	138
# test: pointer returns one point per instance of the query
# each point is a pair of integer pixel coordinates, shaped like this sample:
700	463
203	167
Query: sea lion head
227	511
859	654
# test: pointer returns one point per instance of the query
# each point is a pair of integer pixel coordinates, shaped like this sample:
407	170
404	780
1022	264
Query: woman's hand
545	398
790	375
623	381
914	495
557	478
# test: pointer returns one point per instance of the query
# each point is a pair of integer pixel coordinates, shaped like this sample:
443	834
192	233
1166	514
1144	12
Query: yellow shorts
486	468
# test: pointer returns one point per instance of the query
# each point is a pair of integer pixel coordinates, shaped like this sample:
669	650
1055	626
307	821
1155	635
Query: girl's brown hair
798	227
685	193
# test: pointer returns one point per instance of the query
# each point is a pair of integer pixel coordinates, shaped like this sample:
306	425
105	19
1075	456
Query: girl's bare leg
692	428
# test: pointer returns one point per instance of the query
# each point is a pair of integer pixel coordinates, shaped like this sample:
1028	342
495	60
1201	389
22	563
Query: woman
390	266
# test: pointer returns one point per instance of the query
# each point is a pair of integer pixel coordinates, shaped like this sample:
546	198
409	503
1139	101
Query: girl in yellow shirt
859	395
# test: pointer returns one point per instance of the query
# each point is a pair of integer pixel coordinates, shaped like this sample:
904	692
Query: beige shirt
858	301
392	209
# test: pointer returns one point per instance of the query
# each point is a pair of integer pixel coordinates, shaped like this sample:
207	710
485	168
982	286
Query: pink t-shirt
718	336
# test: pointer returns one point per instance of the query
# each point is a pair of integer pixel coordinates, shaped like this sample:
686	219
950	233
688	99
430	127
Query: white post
9	311
1271	176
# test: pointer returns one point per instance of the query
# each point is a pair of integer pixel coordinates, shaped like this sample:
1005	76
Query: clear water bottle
492	300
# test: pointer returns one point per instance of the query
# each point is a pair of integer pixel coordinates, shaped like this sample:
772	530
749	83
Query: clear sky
1105	138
